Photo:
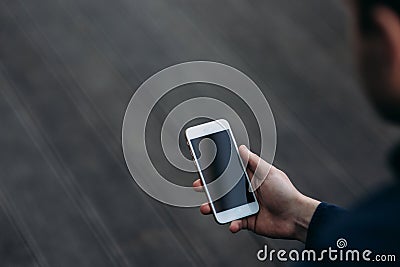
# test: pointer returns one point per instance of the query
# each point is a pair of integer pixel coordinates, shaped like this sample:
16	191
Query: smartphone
218	160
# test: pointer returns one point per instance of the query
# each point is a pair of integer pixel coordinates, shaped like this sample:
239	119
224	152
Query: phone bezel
207	129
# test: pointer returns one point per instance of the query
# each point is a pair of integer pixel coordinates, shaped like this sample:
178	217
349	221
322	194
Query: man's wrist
305	211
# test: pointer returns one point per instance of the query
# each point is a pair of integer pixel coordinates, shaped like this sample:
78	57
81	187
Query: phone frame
207	129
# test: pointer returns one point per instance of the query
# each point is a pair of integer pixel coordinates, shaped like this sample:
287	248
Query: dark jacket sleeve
324	215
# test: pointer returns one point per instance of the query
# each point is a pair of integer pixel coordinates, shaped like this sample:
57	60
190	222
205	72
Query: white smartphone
221	162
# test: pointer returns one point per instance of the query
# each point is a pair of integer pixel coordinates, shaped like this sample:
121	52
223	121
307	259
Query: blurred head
378	52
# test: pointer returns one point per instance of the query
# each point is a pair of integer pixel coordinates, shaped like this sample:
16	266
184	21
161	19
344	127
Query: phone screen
222	166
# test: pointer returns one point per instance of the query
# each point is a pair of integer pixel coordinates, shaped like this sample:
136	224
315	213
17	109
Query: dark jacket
373	225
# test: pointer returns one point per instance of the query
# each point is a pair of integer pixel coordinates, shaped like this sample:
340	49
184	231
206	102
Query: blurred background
67	71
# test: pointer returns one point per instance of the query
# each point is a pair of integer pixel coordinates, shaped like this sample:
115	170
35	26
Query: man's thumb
249	158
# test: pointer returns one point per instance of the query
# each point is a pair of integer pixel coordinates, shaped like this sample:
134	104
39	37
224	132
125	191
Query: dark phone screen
222	167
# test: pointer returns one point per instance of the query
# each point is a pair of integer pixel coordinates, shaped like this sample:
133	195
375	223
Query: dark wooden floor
68	69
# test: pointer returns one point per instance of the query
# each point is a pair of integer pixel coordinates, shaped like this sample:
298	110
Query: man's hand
284	212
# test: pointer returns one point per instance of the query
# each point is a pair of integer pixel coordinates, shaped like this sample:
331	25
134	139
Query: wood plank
53	225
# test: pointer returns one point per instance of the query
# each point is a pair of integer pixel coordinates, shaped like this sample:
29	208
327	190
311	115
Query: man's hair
366	7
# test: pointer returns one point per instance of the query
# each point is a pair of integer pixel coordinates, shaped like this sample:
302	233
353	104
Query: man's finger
236	226
205	209
198	186
250	158
258	167
197	183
